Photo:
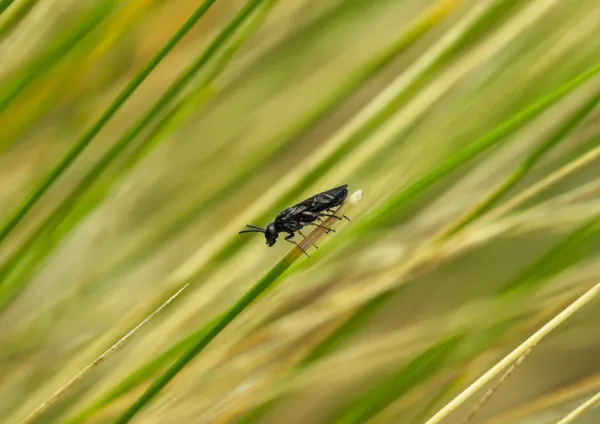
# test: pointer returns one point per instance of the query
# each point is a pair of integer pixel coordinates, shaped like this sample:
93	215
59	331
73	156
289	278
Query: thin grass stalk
89	135
493	390
62	210
548	401
530	343
389	210
33	415
543	184
316	114
527	165
215	328
462	371
581	409
133	380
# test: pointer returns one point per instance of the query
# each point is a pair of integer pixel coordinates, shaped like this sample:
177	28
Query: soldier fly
293	219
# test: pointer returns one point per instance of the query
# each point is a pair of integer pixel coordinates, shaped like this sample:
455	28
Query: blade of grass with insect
372	306
224	253
387	211
345	140
91	133
282	142
266	283
69	202
334	340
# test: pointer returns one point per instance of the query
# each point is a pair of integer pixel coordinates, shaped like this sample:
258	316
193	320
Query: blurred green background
138	137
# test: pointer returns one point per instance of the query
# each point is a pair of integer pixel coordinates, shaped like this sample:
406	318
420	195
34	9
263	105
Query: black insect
292	220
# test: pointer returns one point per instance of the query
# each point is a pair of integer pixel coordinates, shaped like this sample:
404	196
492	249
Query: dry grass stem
515	355
548	401
495	388
85	371
576	413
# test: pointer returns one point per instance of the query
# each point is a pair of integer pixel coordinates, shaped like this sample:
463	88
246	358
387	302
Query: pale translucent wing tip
355	197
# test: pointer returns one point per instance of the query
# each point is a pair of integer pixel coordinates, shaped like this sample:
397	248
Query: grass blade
388	211
267	282
68	203
515	354
89	135
580	410
397	384
527	165
355	81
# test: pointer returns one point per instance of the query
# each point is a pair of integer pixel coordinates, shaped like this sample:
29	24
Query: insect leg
322	226
288	239
321	214
300	232
332	211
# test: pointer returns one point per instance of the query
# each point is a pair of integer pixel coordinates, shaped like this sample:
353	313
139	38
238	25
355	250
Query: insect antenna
253	229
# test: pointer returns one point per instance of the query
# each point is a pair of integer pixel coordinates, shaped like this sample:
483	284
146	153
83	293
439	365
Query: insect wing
327	199
292	214
317	203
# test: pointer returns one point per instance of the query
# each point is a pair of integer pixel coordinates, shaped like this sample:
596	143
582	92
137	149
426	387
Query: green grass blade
68	203
174	117
267	282
271	278
87	138
527	165
356	321
325	347
388	211
355	81
5	4
24	7
557	259
138	377
46	61
410	376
